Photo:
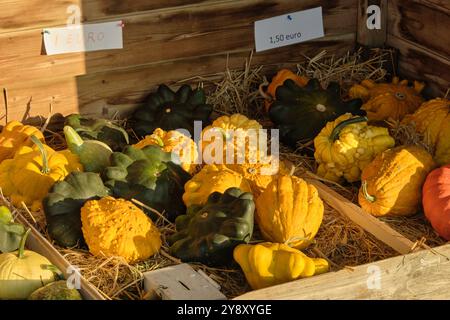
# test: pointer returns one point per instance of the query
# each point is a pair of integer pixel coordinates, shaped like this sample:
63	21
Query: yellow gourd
268	264
289	211
237	134
210	179
176	142
392	182
16	135
388	100
347	145
116	227
29	176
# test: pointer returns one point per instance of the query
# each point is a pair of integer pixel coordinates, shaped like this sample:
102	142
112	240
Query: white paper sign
83	38
288	29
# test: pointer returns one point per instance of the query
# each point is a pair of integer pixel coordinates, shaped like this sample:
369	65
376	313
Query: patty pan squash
289	211
63	203
116	227
171	110
211	179
392	183
22	272
16	135
301	112
208	233
57	290
150	176
347	145
268	264
33	171
176	142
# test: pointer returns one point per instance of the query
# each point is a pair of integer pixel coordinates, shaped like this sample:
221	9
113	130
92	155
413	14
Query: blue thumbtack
46	31
289	17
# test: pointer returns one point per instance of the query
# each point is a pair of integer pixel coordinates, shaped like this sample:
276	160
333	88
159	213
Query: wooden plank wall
420	30
164	41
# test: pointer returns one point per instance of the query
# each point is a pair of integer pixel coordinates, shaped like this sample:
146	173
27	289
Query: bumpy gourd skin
209	233
268	264
174	141
116	227
171	110
211	179
236	132
301	112
22	178
392	182
432	120
150	176
356	145
388	100
16	135
289	210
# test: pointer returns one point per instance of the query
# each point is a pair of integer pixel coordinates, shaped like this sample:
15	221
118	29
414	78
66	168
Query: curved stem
22	243
365	193
337	130
158	140
45	168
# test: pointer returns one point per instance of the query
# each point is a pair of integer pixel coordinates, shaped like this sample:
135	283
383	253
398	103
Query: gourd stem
22	243
158	140
72	137
337	130
365	193
45	168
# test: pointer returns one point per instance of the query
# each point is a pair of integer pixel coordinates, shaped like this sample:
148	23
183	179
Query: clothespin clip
121	24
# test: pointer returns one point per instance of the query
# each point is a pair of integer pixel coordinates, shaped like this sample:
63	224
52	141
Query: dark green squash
149	176
63	204
99	129
171	110
209	233
301	112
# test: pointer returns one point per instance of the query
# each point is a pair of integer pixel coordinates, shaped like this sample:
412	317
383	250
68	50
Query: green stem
158	140
45	168
337	130
365	193
73	139
22	243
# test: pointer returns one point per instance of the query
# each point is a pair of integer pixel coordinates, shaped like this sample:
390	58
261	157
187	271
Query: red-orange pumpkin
436	200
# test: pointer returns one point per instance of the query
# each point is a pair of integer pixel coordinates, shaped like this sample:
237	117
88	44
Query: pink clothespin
121	24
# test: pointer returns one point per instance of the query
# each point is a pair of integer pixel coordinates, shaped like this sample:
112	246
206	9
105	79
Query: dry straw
339	240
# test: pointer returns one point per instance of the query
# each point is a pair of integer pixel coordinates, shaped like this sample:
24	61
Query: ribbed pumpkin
436	200
432	120
278	80
235	132
16	135
211	179
289	211
176	142
392	182
388	100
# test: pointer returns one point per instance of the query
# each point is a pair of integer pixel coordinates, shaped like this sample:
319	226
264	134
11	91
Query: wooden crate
166	41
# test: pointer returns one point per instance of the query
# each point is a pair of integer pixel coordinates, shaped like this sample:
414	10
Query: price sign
288	29
83	38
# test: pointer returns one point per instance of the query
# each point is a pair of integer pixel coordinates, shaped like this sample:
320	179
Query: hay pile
339	240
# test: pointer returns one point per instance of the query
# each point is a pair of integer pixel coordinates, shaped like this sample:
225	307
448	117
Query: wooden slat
420	275
415	62
17	14
377	228
120	90
371	37
426	26
162	36
38	243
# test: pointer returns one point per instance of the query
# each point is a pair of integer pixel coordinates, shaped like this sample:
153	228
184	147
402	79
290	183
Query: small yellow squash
29	176
392	183
16	135
268	264
388	100
289	211
211	179
116	227
176	142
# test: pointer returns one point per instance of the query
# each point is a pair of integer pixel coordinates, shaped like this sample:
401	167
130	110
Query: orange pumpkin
278	80
436	200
